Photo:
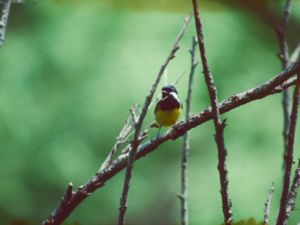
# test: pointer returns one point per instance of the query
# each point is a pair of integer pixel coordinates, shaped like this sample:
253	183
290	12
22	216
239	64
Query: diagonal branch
268	206
289	157
5	7
275	85
139	123
293	194
186	145
219	125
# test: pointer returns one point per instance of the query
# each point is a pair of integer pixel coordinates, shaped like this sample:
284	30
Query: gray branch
5	7
186	146
268	205
295	55
293	194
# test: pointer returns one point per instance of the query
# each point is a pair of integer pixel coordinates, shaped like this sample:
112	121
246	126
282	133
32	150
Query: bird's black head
166	90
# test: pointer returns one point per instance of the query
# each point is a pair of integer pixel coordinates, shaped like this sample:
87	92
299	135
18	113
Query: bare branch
176	81
295	55
186	146
133	114
293	194
268	205
281	33
122	137
219	125
284	58
139	123
289	157
275	85
65	201
5	7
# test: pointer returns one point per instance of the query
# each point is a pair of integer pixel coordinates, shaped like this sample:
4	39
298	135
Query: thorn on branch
173	52
224	123
181	197
69	192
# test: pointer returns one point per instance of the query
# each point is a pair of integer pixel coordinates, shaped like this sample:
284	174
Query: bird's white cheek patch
175	96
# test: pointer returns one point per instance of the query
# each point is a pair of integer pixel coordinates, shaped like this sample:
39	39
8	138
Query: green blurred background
70	70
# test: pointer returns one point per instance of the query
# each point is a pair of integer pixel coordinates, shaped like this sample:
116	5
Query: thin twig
295	55
293	194
273	86
289	157
165	75
121	138
284	58
5	7
268	205
219	125
186	145
139	123
176	81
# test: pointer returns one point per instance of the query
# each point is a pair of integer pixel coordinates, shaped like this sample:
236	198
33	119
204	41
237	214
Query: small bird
168	109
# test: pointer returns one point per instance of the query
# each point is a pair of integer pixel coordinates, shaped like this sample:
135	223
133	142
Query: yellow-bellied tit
168	109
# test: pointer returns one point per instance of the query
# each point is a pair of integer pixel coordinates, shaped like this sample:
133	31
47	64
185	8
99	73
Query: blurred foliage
70	70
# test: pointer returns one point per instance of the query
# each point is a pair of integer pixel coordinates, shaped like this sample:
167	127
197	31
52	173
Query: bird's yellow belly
167	118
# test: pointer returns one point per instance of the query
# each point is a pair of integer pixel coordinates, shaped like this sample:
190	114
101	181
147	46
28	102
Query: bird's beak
165	92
